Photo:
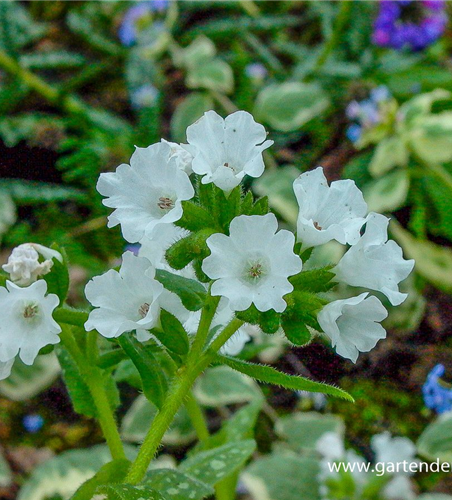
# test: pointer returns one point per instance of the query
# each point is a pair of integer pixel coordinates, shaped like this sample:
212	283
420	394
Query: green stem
197	417
178	394
341	20
94	380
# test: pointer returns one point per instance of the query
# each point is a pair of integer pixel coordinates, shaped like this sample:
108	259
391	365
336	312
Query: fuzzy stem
94	380
196	364
197	417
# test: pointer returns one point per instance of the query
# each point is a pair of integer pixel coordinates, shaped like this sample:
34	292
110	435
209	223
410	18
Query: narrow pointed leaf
174	336
269	375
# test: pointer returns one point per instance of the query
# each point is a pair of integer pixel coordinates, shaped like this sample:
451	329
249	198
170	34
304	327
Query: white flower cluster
251	262
27	324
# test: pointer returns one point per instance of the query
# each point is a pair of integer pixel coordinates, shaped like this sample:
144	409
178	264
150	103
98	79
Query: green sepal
314	280
58	278
269	375
200	274
153	379
247	203
174	337
195	217
189	248
296	332
260	207
250	315
229	206
191	293
113	472
270	321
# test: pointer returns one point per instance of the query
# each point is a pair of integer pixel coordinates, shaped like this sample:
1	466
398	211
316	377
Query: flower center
317	226
256	268
227	165
143	310
255	271
165	203
30	311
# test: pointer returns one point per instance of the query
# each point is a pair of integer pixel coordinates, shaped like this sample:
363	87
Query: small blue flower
33	423
354	132
379	94
136	17
436	396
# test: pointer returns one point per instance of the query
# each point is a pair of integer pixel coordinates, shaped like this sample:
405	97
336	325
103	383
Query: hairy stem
178	394
95	382
197	417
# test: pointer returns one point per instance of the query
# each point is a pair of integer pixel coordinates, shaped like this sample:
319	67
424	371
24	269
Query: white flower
27	324
24	266
147	193
155	248
128	300
399	488
5	368
335	212
226	150
253	263
389	450
352	324
183	157
374	262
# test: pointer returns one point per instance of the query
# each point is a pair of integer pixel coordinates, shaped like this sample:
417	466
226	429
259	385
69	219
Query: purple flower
392	29
256	71
436	396
354	132
136	16
144	96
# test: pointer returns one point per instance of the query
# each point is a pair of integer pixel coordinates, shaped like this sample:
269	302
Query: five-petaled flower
374	262
225	150
146	193
335	212
353	324
27	324
253	263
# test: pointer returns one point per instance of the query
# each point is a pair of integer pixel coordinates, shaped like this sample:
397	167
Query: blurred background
363	89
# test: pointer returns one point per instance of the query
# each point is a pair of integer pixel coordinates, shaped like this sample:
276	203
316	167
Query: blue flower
256	71
436	396
136	17
33	423
144	96
354	132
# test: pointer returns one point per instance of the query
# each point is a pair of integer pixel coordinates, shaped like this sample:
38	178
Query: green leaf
211	390
288	106
269	375
135	424
303	430
195	217
177	486
278	186
283	477
127	492
187	112
191	293
389	153
174	336
388	193
432	262
212	466
26	382
313	280
431	137
53	59
211	75
62	475
58	278
436	440
6	477
81	398
202	49
113	472
153	379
